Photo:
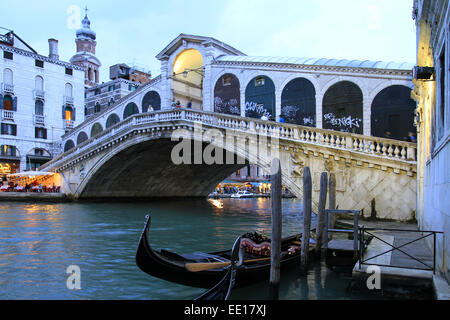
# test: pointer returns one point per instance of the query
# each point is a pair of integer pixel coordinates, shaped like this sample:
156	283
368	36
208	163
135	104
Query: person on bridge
264	117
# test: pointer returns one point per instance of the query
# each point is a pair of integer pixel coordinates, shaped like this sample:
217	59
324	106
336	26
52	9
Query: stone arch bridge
135	159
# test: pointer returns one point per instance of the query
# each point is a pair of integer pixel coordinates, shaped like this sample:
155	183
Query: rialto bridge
335	113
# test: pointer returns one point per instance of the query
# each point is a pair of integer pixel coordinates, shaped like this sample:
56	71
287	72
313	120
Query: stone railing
7	88
368	145
7	115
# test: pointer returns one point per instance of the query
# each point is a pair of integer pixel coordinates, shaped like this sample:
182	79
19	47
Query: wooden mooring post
307	210
322	225
275	245
330	221
332	199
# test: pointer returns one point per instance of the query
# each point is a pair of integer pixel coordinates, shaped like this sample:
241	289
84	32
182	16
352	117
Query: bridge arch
227	94
342	107
96	129
112	120
82	137
151	98
134	165
186	70
69	145
393	109
130	109
260	97
298	102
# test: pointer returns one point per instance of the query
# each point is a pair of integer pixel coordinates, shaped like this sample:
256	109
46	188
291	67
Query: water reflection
39	241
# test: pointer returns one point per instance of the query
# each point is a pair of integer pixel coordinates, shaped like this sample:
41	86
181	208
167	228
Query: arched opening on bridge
298	102
151	102
227	95
112	120
96	129
68	145
36	158
393	110
260	97
187	78
342	108
130	109
82	137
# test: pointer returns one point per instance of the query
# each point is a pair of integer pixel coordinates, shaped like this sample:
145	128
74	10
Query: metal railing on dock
370	232
353	231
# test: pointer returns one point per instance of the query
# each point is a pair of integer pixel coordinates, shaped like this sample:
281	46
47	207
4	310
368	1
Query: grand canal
39	241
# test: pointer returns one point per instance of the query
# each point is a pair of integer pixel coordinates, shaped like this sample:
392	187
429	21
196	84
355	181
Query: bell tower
85	56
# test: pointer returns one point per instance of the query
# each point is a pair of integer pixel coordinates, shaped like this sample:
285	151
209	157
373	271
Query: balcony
39	120
7	88
7	115
39	94
68	100
68	124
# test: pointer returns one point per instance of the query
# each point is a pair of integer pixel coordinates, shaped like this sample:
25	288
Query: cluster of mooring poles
321	230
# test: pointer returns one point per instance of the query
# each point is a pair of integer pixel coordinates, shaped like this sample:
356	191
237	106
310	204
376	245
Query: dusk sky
134	32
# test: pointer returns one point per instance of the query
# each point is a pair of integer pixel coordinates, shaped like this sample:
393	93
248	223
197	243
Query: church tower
85	56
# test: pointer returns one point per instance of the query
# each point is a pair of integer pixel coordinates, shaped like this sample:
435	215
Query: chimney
53	49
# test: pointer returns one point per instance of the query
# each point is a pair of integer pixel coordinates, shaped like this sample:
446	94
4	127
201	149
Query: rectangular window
8	55
40	133
39	63
10	129
259	82
9	151
226	80
69	71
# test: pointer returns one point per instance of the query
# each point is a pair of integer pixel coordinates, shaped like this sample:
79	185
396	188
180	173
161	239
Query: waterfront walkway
32	196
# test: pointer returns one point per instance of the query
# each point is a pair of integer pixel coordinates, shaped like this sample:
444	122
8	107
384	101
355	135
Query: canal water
38	242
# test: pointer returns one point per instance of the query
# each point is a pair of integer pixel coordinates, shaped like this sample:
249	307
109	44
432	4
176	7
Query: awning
29	174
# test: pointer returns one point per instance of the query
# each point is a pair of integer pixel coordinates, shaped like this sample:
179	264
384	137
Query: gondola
208	269
221	291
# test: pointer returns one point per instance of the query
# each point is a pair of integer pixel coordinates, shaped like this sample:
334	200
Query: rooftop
321	62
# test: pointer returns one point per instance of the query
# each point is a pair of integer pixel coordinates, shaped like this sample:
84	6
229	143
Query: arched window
39	83
8	76
260	97
393	110
130	109
342	108
227	95
69	113
69	90
38	108
153	100
96	129
298	102
112	120
82	136
8	102
69	145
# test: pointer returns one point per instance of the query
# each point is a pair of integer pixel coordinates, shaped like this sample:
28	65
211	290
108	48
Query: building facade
431	92
124	80
41	98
